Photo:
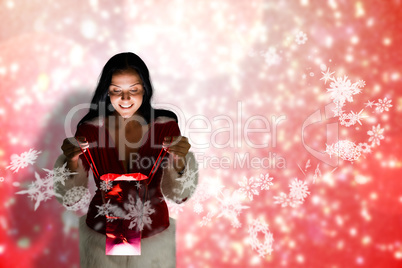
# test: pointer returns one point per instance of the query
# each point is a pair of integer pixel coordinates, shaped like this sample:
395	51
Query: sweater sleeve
80	177
176	187
84	131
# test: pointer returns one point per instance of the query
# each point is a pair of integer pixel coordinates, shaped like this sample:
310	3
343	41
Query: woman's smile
128	106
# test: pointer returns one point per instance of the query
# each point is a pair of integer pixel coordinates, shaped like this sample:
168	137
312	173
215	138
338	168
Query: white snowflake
265	181
375	135
205	190
317	172
198	208
301	38
298	189
345	149
138	213
106	185
272	57
285	201
104	209
351	118
357	87
249	187
263	247
327	76
111	212
342	90
230	205
361	83
369	103
22	161
235	223
347	120
188	180
364	147
382	105
307	165
338	109
207	219
174	207
77	198
138	185
59	174
40	190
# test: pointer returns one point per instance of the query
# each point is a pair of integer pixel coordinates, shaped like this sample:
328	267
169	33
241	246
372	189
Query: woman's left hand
178	148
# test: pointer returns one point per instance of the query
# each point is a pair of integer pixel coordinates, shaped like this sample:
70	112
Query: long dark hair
101	105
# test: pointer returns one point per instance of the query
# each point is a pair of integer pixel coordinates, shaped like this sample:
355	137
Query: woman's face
126	93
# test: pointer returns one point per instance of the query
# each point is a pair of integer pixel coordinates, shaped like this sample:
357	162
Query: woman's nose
125	95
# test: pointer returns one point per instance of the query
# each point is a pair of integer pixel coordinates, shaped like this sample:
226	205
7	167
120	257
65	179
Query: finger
67	148
178	142
177	152
73	142
81	139
74	150
72	153
174	139
179	146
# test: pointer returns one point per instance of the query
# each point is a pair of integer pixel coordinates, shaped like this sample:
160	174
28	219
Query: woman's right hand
71	149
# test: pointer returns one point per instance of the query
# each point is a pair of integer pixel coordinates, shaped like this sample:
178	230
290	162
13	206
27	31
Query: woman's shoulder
90	126
162	116
95	122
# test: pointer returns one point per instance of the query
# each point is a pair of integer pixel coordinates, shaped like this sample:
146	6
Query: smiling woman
116	127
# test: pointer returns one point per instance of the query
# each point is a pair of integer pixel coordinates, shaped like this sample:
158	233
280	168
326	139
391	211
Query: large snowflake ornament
77	198
249	187
40	190
298	189
138	213
22	161
263	247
